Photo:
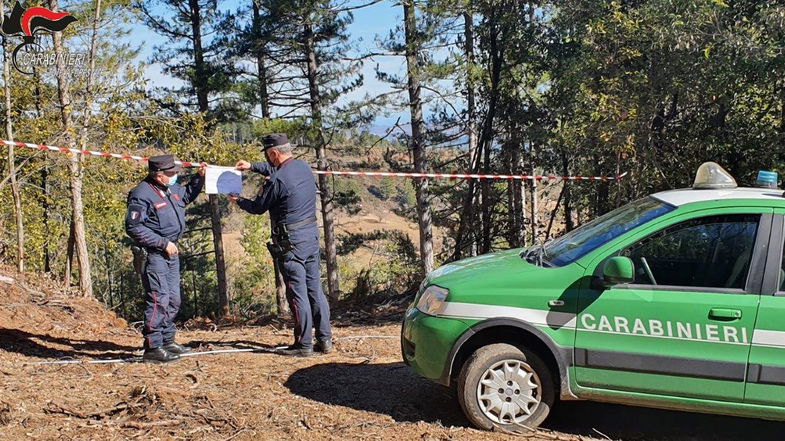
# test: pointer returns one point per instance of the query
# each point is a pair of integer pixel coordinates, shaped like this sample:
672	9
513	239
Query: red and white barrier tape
472	176
336	172
84	152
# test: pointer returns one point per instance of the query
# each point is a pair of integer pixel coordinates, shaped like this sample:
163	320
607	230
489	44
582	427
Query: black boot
324	346
296	350
175	348
159	355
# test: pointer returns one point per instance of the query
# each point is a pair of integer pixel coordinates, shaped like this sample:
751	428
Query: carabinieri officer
156	221
290	196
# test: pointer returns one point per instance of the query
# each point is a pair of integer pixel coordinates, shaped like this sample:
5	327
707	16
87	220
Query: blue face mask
172	180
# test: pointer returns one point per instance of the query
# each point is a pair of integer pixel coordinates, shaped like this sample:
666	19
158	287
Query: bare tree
417	140
9	132
328	216
75	166
89	92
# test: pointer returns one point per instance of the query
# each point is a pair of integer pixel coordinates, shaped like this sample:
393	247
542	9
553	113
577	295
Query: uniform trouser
306	297
161	280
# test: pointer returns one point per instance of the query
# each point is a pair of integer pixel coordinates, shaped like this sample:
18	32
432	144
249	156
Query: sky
369	22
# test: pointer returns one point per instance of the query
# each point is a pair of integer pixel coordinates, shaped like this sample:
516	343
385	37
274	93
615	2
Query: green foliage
577	87
399	274
193	53
254	276
406	198
385	189
346	193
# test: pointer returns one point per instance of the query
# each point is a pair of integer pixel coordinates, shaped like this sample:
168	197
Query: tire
527	385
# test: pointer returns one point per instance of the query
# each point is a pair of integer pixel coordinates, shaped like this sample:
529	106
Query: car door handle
724	314
553	303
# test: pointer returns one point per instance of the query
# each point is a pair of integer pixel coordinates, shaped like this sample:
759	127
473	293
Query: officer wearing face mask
290	196
156	221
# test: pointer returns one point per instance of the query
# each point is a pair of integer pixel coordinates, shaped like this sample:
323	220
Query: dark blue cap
163	163
274	140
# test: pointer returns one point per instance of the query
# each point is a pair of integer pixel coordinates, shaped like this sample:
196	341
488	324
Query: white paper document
223	180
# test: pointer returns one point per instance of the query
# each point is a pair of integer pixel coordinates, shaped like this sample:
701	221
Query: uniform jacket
290	196
156	214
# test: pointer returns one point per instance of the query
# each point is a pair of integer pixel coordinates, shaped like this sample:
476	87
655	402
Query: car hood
486	267
504	278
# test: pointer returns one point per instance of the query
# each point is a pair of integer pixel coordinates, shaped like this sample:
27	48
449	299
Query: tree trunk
261	67
534	207
9	133
200	82
44	179
264	103
514	200
569	225
200	87
417	141
520	199
280	284
89	96
603	190
69	258
555	211
325	194
496	55
486	205
280	290
534	202
224	299
75	165
510	193
45	206
467	212
466	235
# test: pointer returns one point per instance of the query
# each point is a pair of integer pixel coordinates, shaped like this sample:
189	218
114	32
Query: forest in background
568	87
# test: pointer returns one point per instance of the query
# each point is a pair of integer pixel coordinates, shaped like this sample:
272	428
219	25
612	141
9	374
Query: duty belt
281	241
300	224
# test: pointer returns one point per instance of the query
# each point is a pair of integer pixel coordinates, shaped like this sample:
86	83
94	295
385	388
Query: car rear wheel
503	386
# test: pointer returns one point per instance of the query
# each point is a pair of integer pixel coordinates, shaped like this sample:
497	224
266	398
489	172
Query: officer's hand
233	197
243	165
202	168
171	249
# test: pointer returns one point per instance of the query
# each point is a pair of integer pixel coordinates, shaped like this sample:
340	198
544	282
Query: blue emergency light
766	179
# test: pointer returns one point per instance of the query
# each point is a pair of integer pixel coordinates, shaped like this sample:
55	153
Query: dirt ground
361	391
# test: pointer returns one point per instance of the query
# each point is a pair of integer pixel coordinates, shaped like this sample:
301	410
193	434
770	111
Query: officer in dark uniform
290	196
156	221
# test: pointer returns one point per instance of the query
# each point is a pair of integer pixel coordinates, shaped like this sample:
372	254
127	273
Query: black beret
274	139
163	163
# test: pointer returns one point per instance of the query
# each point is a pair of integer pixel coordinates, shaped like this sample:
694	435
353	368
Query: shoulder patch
135	214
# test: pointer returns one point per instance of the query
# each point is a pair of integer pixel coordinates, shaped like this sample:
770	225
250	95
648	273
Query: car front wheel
503	386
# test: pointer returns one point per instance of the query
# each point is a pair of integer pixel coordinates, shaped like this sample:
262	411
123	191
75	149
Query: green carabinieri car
675	301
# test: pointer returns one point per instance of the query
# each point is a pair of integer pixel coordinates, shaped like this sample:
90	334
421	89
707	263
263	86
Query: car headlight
432	299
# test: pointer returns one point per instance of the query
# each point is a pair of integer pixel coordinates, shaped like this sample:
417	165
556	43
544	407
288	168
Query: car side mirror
618	269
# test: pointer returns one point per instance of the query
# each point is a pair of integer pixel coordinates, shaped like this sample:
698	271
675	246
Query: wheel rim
509	392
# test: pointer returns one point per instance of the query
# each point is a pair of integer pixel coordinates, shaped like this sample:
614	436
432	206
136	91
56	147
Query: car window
712	251
577	243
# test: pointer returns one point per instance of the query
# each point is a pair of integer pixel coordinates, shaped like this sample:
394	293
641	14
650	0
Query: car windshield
577	243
